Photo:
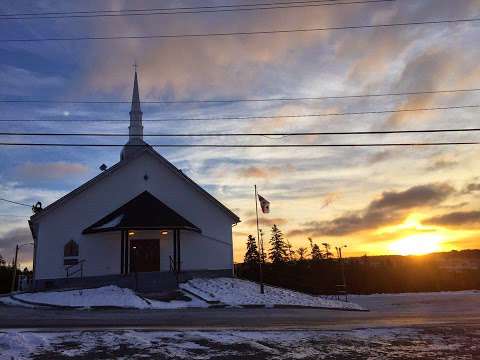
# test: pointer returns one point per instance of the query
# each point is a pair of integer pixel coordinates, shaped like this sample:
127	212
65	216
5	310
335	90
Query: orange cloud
266	221
264	171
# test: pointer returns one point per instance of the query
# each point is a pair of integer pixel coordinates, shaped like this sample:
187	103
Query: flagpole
260	247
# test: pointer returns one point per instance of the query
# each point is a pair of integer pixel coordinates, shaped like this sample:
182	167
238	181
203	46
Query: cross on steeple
135	66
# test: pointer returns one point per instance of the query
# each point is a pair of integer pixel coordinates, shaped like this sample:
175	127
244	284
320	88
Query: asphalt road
385	311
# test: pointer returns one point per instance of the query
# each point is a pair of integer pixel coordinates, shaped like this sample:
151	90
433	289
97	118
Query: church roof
144	212
133	150
110	171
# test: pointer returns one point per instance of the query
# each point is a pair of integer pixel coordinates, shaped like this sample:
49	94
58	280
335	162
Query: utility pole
260	245
14	269
17	247
342	269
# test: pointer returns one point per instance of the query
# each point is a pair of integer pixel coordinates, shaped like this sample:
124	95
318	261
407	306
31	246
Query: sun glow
418	244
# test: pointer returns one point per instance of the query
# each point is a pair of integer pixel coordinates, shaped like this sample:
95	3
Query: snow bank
104	296
393	343
228	291
16	345
236	292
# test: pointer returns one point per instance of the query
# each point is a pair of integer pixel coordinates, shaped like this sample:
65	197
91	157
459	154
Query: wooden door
144	255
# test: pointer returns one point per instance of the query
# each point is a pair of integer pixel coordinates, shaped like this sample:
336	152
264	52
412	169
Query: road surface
385	311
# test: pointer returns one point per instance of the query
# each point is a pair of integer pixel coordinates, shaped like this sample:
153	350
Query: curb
280	306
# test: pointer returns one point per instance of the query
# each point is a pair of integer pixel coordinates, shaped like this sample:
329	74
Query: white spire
135	130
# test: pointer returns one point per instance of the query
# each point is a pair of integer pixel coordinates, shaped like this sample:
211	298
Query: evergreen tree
278	247
315	252
2	261
251	255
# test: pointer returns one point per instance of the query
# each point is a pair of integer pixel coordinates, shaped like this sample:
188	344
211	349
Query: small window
70	249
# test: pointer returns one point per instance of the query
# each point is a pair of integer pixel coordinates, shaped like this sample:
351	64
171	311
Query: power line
194	101
170	8
378	132
14	202
252	117
444	143
184	10
244	33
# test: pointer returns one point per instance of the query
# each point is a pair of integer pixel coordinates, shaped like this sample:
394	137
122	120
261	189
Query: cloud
263	171
471	188
389	207
18	81
265	221
458	218
442	164
13	237
381	156
50	170
329	199
416	196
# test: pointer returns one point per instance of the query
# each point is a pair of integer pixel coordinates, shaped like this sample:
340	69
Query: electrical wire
195	101
252	117
444	143
185	10
15	202
284	134
243	33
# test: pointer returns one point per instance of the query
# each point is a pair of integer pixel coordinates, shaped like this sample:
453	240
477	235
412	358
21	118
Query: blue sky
314	192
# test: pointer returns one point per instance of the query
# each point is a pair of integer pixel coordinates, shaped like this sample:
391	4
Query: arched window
70	249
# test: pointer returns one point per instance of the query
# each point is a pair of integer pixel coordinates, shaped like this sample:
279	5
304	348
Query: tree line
316	269
6	275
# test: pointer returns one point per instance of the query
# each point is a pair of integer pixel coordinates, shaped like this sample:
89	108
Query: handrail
79	270
70	266
173	268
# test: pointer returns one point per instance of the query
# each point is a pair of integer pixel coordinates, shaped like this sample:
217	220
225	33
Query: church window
70	249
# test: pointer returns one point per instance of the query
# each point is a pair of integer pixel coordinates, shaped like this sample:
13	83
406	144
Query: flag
265	204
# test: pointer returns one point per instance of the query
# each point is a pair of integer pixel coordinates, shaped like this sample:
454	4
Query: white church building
140	223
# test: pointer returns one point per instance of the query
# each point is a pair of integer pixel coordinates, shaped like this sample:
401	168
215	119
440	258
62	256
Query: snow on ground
393	343
103	296
237	292
444	302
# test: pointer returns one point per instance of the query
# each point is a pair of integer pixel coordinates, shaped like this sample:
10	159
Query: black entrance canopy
144	212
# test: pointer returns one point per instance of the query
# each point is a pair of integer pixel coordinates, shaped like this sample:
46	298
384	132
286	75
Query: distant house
140	223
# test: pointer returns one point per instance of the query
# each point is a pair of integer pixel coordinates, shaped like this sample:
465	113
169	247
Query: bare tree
315	252
302	252
328	254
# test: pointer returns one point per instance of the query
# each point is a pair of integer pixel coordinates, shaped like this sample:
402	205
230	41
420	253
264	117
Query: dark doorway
144	255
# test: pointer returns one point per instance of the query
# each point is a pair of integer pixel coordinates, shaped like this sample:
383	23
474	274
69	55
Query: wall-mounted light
131	233
164	233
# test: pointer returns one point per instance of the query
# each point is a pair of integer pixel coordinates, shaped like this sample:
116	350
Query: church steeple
135	130
136	127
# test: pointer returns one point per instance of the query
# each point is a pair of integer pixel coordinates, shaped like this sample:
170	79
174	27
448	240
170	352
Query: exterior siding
102	251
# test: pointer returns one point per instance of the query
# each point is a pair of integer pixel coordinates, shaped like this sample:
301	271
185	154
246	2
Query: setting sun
419	244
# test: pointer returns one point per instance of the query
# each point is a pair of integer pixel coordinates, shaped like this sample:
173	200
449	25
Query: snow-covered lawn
104	296
223	291
236	292
444	302
394	343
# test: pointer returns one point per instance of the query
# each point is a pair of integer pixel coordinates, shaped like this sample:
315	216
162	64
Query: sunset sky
378	200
